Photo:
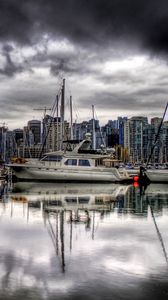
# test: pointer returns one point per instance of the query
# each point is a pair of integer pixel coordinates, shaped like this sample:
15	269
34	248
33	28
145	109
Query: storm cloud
88	22
115	51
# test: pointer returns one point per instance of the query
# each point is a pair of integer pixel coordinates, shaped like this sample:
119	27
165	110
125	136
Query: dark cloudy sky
113	54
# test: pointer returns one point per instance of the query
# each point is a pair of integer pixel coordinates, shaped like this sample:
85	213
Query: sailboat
157	175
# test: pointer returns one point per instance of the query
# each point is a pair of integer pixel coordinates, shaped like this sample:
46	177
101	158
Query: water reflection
70	241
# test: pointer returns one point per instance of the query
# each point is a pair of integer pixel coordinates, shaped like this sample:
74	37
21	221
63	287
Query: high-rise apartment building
121	122
3	133
134	141
34	130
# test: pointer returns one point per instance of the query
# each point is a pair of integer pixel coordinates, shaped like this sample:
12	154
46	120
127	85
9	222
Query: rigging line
66	105
76	112
50	234
157	135
70	246
51	228
62	240
53	244
159	234
93	226
103	140
68	89
54	107
50	124
53	237
57	240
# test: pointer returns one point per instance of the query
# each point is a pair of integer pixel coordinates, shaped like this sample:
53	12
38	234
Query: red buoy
136	178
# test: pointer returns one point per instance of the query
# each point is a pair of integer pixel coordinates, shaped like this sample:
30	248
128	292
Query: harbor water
83	241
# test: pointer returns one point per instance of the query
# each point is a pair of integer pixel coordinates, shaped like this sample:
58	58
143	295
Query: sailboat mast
94	139
71	118
62	112
62	239
57	99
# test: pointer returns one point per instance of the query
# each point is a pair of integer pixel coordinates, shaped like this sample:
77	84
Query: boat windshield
52	158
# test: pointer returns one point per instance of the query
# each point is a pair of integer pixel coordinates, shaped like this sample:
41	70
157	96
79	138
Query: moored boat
79	165
157	175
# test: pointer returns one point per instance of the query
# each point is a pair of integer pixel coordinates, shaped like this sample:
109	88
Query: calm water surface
83	241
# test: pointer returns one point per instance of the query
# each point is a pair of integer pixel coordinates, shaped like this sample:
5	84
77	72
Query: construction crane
44	109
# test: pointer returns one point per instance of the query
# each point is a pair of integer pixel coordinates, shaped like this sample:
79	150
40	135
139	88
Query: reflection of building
121	122
134	203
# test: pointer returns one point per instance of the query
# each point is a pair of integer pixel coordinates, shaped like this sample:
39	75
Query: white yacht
79	165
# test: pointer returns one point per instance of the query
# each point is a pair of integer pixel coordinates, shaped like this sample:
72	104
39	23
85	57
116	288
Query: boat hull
23	173
157	175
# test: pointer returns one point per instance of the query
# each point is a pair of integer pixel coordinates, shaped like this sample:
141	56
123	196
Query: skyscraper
34	127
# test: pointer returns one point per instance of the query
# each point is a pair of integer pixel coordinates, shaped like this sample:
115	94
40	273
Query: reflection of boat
22	199
3	187
157	188
157	195
66	195
79	165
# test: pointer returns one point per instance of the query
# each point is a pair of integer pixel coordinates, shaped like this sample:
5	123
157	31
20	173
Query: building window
71	162
84	163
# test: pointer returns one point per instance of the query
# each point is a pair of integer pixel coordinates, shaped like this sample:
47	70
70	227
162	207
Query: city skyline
113	54
131	138
86	120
